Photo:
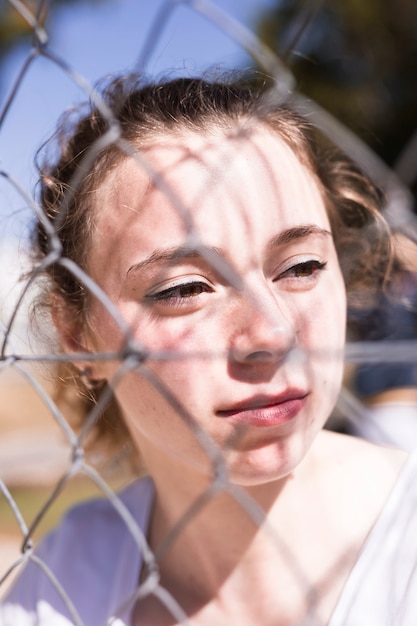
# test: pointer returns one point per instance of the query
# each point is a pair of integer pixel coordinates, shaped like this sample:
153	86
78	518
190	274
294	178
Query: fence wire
132	356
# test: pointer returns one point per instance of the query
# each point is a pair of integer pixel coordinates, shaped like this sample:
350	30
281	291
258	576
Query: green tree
357	59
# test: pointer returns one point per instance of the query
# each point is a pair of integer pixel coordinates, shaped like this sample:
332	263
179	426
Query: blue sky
96	39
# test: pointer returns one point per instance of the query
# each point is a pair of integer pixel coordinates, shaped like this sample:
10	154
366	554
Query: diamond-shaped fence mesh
54	462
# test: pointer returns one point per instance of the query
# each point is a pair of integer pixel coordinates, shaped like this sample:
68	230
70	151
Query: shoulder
360	475
355	455
110	512
97	546
380	487
93	528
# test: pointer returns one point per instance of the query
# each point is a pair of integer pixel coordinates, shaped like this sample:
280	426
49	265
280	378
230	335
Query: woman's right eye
183	293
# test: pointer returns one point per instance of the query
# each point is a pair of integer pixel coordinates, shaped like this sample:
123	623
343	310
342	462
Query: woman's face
231	282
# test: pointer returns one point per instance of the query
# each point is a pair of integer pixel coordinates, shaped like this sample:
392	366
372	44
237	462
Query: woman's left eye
306	269
181	292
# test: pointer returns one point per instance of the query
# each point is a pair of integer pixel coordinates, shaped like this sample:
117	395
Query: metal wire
132	356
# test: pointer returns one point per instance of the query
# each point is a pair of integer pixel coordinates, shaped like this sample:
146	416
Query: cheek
175	385
188	356
327	311
182	354
322	334
157	335
154	423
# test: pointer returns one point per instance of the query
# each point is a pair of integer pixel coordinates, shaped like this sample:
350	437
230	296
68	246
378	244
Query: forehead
226	190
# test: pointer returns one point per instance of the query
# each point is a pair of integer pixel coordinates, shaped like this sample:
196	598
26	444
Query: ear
71	329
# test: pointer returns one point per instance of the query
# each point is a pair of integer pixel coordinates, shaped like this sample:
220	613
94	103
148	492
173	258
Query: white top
98	561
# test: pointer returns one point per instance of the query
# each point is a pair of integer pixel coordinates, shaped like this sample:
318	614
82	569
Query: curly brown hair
133	112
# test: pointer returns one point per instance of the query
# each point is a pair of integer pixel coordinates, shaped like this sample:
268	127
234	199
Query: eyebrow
173	253
183	251
298	232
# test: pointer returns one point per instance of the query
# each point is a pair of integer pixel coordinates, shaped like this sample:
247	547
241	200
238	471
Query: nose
262	331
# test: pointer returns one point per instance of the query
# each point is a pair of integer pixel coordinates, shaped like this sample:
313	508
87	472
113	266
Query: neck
221	536
286	547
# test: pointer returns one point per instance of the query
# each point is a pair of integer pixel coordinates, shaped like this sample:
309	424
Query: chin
269	464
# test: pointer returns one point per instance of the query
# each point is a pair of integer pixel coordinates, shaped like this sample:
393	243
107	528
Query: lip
266	411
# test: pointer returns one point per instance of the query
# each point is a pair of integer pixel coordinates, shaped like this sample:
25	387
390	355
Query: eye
304	271
179	294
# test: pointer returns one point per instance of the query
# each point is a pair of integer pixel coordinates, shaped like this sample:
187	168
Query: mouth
266	411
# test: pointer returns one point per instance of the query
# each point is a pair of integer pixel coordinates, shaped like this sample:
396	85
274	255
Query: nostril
260	355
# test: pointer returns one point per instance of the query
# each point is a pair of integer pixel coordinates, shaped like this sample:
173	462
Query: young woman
218	246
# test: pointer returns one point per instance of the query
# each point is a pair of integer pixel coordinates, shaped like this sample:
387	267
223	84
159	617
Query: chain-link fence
58	457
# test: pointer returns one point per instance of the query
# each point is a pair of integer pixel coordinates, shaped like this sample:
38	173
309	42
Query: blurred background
355	59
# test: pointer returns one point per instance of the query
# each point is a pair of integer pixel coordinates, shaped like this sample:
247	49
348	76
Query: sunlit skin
245	327
279	336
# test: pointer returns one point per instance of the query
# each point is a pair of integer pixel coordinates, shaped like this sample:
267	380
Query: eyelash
178	293
185	292
307	270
